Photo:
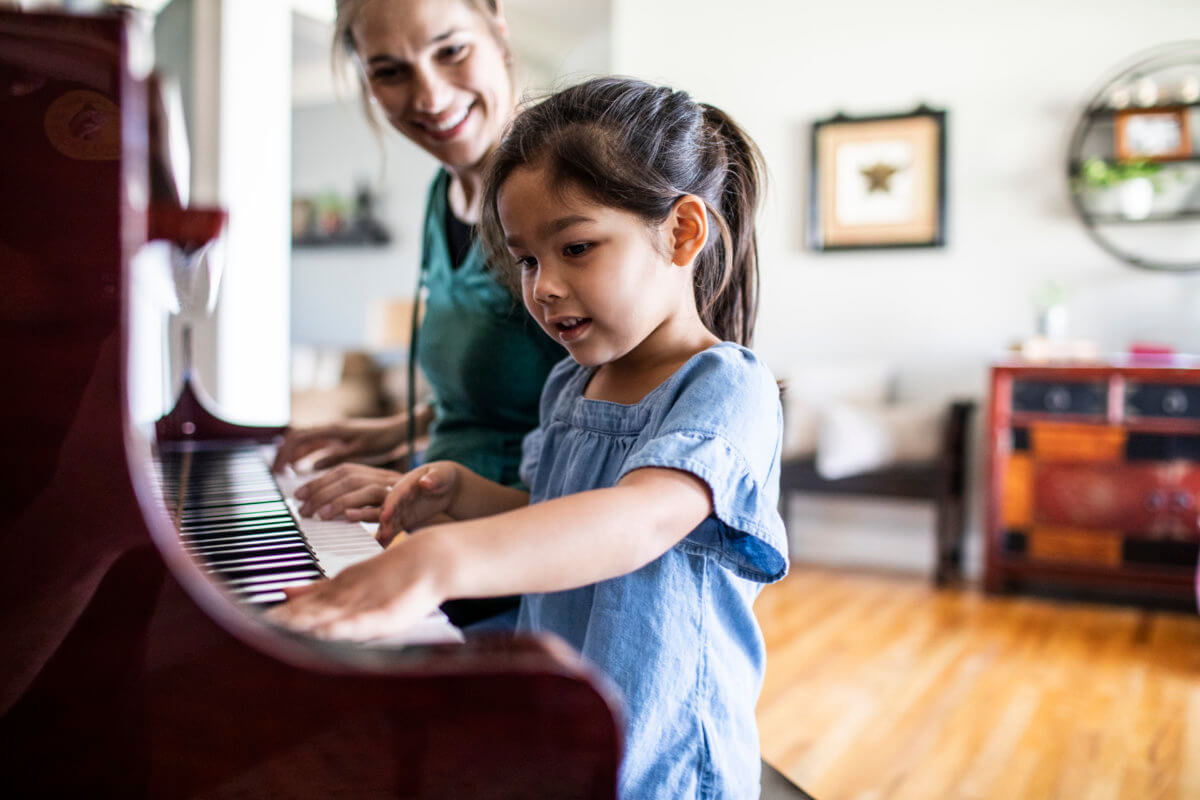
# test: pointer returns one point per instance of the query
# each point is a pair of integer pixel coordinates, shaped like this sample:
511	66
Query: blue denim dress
677	636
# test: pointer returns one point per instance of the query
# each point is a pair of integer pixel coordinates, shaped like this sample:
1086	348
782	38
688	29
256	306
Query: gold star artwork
878	175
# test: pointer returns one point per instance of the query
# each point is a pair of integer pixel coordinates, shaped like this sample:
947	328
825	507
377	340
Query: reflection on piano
133	659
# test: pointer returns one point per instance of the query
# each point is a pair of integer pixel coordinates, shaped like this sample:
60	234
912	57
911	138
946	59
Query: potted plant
1134	183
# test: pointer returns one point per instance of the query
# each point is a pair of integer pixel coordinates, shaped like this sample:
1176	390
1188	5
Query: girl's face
597	279
438	73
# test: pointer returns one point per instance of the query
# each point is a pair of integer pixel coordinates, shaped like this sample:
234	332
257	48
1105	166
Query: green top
485	358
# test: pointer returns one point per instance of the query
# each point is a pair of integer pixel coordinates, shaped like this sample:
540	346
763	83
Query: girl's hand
420	497
336	442
355	490
380	597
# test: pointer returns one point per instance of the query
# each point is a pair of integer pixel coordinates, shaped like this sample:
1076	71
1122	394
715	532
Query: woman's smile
445	126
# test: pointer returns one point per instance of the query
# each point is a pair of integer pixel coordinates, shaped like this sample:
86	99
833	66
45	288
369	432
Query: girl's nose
547	286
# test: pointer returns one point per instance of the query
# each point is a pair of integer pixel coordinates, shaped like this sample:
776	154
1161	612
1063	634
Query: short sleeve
722	422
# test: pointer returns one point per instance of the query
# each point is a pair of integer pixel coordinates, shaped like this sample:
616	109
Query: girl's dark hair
630	145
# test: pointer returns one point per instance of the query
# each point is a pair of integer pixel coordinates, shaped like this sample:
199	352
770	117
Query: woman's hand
420	497
336	442
380	597
355	490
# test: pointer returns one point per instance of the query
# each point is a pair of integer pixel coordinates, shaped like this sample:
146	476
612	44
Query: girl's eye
526	262
577	249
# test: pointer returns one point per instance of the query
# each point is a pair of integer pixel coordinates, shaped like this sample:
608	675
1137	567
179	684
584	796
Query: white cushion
811	388
855	438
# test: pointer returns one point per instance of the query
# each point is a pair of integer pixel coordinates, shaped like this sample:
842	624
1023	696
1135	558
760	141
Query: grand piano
134	657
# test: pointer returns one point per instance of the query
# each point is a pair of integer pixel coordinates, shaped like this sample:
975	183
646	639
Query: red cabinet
1094	477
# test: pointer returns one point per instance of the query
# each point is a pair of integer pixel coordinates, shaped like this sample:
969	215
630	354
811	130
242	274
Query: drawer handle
1058	399
1156	501
1181	501
1175	402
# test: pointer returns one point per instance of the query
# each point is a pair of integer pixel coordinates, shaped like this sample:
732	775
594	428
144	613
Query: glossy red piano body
124	671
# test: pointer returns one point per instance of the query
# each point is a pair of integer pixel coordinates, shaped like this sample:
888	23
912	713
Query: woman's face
439	75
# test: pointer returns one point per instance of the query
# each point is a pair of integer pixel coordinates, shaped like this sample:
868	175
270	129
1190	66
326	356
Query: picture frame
878	181
1152	134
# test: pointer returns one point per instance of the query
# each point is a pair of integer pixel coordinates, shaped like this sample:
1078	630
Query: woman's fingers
337	453
363	513
345	486
354	499
301	442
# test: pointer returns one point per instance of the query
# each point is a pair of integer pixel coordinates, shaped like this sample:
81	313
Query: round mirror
1134	160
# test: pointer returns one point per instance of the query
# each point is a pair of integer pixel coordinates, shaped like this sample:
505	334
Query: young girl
626	212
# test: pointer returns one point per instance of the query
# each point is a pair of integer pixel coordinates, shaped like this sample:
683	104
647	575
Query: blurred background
328	211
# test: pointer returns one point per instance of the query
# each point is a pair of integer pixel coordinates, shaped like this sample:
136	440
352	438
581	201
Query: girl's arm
558	544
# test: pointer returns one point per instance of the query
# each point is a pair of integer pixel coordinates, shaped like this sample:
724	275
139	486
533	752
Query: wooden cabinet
1094	478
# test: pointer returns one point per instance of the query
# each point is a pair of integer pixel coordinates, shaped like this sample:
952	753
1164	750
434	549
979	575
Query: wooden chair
942	481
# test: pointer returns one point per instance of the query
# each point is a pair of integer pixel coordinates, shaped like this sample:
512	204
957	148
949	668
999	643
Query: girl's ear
689	229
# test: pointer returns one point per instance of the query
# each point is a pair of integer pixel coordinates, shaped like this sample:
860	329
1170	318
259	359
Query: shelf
1075	165
1116	219
1112	112
347	239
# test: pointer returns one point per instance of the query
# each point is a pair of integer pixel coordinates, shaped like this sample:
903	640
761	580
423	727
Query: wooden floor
882	687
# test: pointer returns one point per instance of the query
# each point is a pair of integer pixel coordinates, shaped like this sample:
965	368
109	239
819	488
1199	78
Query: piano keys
242	524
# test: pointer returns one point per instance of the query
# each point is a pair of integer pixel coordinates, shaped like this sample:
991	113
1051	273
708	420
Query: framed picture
1157	134
878	181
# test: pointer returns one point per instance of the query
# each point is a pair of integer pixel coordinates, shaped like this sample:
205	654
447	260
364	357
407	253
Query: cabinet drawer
1099	548
1156	499
1162	401
1060	397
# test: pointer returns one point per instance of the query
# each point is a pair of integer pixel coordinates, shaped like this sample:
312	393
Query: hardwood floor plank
883	687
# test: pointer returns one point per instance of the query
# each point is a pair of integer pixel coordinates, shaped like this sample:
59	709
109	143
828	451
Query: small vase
1135	198
1052	322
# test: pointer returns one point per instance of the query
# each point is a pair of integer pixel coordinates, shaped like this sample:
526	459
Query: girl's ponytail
729	304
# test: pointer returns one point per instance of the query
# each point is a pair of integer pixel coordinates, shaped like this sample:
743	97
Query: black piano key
235	532
249	518
251	549
225	561
234	521
245	540
293	578
262	525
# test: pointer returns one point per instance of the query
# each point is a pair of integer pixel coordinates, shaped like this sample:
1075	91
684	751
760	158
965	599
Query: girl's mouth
571	328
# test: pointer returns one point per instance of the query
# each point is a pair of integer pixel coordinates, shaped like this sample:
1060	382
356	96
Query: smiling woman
439	72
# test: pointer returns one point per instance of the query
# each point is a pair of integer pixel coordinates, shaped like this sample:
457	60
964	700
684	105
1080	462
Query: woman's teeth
448	123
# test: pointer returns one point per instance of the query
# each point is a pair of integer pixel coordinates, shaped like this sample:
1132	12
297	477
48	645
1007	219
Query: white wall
334	288
1012	76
